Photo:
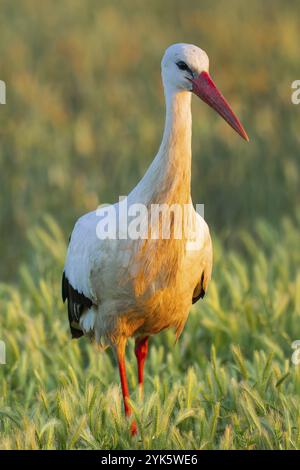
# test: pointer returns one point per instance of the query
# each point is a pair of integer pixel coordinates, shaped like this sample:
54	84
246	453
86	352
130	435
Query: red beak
204	87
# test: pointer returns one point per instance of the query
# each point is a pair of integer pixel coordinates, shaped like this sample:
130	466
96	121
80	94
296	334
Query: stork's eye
182	65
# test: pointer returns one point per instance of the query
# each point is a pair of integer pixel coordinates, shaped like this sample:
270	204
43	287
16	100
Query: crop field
228	383
83	119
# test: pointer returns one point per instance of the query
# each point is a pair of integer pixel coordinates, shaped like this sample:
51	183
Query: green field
83	120
228	383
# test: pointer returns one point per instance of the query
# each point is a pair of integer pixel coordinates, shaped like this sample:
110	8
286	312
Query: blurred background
85	109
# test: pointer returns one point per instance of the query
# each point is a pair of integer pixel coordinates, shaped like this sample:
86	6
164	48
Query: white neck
168	179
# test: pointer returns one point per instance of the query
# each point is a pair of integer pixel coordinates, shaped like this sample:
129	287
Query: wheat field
82	121
228	383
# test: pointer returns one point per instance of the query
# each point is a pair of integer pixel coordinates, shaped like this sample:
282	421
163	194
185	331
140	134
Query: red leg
141	352
124	384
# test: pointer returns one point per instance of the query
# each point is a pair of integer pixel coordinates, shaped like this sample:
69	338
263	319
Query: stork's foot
133	429
120	351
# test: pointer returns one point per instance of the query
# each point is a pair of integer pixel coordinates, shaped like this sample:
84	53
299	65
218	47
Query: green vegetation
228	383
85	109
83	119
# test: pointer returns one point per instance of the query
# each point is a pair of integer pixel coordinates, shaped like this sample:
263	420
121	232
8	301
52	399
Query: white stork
121	288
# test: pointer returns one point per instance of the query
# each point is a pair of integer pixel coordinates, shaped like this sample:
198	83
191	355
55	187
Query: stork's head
185	68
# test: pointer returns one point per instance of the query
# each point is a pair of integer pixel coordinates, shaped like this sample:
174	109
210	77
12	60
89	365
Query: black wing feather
199	292
77	304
